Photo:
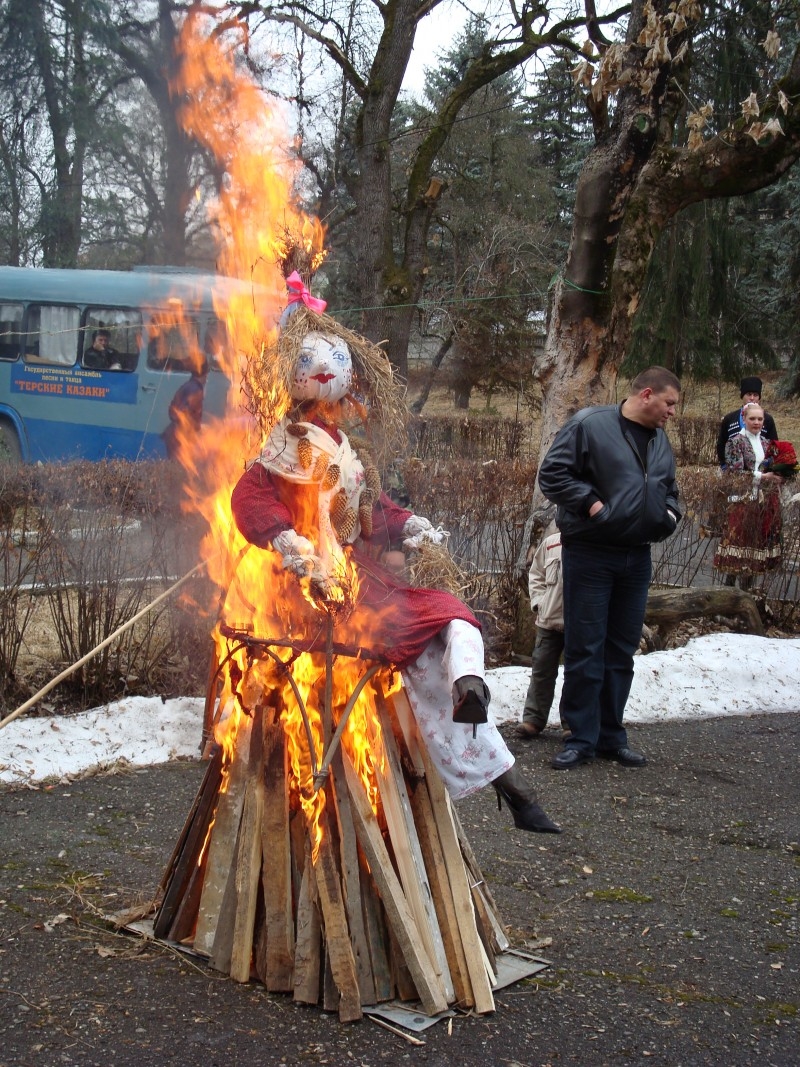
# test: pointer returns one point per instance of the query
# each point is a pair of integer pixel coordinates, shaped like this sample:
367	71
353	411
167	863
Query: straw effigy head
376	407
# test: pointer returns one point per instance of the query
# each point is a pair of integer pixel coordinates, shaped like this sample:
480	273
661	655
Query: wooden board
223	842
351	881
479	884
308	942
376	932
248	875
407	851
460	888
182	869
398	914
442	896
338	950
277	966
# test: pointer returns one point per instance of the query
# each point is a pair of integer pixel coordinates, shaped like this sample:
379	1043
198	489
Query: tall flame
257	222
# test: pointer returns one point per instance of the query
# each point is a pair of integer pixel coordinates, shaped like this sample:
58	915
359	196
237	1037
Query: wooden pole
99	648
401	922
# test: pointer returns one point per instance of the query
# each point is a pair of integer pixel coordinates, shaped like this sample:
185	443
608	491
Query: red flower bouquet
780	458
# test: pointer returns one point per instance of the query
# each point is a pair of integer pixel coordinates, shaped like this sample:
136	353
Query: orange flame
257	222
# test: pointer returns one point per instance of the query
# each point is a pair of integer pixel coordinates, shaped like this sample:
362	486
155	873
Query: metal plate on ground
515	964
413	1019
512	966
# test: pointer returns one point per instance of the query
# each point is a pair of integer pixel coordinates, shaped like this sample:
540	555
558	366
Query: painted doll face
324	369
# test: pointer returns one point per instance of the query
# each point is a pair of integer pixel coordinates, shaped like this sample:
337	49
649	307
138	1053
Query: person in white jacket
547	600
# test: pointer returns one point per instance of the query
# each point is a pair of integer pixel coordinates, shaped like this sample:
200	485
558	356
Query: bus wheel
10	451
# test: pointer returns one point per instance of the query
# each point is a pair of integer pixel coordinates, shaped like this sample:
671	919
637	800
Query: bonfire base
513	965
375	898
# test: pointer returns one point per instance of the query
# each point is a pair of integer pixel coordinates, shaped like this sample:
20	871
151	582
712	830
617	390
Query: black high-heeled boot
522	803
471	702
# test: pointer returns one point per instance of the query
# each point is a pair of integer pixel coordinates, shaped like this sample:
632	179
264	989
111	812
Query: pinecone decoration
305	453
296	430
365	518
331	478
320	466
338	507
345	528
373	480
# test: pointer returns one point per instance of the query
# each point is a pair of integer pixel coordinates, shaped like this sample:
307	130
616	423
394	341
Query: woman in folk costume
751	543
311	492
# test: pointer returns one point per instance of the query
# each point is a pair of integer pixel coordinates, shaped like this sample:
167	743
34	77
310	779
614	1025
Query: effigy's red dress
430	635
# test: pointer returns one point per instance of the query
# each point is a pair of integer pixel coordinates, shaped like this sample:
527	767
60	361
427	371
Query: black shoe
472	702
521	802
626	756
569	758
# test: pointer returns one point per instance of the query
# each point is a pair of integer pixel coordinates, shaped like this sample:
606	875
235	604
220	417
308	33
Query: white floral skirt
466	764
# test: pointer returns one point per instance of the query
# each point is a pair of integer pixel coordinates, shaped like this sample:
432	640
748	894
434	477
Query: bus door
180	346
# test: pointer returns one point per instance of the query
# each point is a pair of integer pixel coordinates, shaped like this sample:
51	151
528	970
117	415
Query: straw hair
376	411
432	567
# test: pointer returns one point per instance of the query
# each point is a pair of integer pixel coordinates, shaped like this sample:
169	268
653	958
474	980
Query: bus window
52	336
123	332
10	330
174	342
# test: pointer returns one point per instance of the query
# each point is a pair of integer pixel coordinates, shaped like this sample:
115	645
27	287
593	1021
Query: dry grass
698	400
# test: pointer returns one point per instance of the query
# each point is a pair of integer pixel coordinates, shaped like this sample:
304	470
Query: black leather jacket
594	457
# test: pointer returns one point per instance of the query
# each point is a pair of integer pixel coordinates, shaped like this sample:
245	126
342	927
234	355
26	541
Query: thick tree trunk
391	285
591	317
418	404
154	62
381	283
61	205
628	191
177	187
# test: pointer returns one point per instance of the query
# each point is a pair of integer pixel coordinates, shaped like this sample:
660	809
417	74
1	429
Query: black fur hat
750	385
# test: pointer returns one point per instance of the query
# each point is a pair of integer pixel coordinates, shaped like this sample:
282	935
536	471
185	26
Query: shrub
109	538
25	536
485	507
102	540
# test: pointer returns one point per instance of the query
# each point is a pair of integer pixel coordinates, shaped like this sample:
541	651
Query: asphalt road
668	907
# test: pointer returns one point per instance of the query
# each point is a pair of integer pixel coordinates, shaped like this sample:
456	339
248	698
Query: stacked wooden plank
391	903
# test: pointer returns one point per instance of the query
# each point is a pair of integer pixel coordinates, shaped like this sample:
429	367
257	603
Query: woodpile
383	901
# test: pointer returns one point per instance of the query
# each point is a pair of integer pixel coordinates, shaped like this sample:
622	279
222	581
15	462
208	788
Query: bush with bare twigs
108	538
25	536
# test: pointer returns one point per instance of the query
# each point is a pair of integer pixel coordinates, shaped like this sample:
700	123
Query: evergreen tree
490	234
708	303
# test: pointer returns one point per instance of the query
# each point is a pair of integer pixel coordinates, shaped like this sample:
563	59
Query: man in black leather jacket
611	472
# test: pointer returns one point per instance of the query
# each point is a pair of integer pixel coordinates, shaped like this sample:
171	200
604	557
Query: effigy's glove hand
418	531
297	553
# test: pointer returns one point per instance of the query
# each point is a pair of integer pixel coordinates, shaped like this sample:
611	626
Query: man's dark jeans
605	595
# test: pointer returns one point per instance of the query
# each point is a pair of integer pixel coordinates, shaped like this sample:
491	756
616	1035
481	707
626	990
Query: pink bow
299	293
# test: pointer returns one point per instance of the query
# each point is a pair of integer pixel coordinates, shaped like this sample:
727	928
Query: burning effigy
347	706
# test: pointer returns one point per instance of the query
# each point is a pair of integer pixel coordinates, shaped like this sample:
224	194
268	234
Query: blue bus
91	359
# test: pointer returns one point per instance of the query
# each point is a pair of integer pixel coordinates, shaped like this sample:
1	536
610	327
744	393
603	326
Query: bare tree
373	57
655	153
147	48
48	48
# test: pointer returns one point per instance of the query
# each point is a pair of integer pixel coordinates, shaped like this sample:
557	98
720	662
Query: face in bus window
324	369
